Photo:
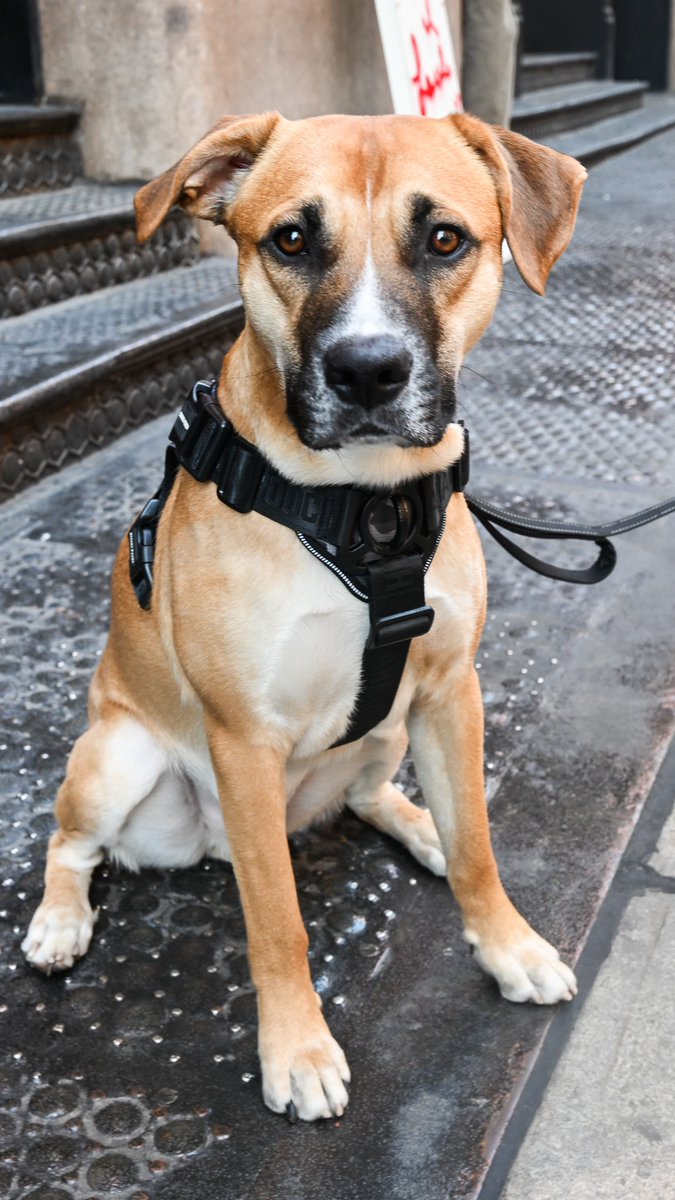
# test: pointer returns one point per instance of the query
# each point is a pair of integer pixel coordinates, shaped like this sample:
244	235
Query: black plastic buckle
200	432
400	627
240	476
396	600
142	537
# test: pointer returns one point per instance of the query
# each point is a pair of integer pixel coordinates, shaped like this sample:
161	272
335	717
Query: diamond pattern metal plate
580	383
37	345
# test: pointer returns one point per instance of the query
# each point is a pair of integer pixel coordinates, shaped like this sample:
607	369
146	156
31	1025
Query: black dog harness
378	542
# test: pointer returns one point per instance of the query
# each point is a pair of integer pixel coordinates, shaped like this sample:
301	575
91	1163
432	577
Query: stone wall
154	75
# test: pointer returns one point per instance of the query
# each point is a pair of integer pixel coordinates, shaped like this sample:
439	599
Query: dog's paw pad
57	937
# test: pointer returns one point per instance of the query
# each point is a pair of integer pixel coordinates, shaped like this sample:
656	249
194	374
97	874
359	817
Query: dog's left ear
538	191
205	181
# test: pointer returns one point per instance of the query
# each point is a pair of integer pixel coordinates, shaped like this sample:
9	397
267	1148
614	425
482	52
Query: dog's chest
312	633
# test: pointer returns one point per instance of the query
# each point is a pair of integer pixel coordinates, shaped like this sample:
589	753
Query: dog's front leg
446	734
303	1068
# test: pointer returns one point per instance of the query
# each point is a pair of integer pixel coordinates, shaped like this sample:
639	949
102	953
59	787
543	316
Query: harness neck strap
360	524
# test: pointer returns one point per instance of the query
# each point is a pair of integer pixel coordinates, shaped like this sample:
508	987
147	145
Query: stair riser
39	446
32	163
561	120
80	265
533	78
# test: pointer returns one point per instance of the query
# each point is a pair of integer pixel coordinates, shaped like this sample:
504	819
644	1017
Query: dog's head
370	254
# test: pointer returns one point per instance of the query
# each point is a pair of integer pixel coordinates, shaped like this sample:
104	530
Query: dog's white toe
58	936
309	1083
528	969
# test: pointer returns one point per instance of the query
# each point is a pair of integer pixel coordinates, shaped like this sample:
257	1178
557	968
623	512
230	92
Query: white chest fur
313	632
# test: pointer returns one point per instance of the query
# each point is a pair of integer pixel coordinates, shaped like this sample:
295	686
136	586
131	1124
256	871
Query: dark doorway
20	68
631	37
552	27
643	41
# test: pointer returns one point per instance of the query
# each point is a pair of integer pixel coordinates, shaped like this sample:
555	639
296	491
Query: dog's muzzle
382	388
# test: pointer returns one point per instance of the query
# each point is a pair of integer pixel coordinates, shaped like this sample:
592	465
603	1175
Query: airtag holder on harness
389	523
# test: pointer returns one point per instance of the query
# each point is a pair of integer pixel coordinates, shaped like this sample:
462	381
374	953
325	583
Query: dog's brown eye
445	241
290	241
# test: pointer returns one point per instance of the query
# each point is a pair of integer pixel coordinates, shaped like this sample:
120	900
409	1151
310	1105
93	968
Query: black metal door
563	26
20	72
631	37
643	30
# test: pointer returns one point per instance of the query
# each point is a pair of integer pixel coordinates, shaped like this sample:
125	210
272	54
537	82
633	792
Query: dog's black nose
368	371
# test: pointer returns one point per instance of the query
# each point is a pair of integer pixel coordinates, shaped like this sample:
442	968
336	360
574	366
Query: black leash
379	543
491	516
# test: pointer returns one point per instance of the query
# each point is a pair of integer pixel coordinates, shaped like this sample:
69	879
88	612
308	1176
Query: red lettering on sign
429	84
428	21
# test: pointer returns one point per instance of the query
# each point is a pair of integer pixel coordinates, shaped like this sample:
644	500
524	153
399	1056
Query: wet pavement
135	1075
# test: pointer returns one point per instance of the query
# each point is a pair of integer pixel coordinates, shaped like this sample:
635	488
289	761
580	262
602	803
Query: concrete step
543	113
38	147
605	138
78	374
551	70
58	244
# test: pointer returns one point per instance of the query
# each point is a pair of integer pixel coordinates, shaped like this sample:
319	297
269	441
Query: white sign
420	58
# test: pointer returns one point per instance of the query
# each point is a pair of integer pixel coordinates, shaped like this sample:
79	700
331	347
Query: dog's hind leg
113	766
391	812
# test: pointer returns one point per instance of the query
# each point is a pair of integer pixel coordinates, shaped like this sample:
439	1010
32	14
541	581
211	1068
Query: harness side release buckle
200	432
142	536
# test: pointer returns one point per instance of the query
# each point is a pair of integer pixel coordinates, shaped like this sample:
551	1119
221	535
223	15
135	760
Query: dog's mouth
371	433
416	422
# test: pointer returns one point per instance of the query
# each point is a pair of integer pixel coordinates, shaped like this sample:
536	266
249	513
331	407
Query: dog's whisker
485	378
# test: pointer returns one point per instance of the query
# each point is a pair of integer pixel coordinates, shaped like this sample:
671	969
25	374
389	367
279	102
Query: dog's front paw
525	966
305	1076
58	935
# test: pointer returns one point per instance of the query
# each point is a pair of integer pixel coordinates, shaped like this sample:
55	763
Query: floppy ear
538	191
205	181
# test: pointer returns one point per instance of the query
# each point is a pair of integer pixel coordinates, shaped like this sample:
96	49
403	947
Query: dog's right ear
205	181
538	190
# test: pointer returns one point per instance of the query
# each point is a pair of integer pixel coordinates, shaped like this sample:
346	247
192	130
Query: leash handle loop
599	570
490	516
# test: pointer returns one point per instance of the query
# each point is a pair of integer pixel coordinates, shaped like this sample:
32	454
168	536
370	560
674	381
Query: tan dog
212	714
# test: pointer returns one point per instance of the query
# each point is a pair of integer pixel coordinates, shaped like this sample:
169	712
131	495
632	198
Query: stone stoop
97	333
563	104
38	147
